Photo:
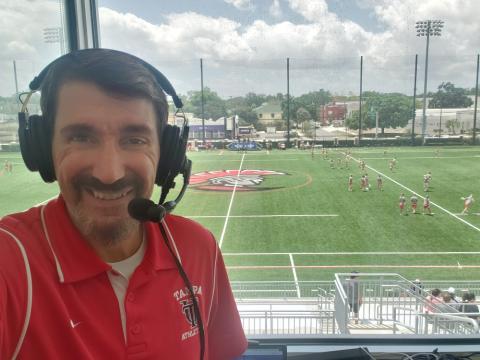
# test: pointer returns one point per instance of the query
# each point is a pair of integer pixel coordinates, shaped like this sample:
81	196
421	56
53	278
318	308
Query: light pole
54	35
427	28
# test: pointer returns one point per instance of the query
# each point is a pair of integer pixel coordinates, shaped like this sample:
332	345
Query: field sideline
290	217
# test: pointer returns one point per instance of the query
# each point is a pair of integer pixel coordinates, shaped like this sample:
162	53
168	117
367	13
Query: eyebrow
129	129
137	129
77	128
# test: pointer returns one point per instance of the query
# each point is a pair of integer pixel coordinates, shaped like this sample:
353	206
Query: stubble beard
105	231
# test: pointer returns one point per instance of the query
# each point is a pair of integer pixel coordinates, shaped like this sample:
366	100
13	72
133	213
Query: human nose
108	164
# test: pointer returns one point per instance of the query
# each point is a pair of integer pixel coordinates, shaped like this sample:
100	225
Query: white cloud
324	49
312	10
22	40
241	4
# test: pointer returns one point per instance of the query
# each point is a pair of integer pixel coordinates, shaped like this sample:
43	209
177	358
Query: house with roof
270	114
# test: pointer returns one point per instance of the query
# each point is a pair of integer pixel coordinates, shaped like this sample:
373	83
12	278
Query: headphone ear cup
168	146
35	146
27	144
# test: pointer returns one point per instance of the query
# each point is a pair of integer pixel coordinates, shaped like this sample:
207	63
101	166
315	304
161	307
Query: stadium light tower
427	28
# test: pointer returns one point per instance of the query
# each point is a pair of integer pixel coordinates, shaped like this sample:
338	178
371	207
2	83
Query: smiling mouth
109	195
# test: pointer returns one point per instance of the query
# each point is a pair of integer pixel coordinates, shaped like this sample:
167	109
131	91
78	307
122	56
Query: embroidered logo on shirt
188	309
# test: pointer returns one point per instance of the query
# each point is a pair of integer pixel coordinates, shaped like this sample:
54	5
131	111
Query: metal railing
287	322
280	289
388	302
433	323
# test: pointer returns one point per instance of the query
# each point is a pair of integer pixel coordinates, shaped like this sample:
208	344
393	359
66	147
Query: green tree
449	96
310	103
452	125
214	106
394	110
352	120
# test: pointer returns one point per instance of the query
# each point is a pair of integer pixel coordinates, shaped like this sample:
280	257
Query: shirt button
131	297
136	329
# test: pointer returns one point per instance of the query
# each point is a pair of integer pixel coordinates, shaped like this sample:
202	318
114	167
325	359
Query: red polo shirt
56	300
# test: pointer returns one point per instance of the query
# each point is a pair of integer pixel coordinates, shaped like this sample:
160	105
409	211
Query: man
79	277
354	296
467	203
469	306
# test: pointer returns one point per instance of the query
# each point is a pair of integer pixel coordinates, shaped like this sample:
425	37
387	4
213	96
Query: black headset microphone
146	210
36	148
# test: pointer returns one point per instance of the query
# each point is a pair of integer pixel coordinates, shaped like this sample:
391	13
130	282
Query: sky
244	44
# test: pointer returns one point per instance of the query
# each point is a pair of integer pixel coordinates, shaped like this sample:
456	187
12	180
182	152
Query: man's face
105	153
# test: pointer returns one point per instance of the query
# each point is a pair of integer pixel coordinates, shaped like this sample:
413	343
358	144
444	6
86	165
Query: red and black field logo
227	180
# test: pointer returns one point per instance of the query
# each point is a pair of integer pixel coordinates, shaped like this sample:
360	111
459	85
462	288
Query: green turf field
302	223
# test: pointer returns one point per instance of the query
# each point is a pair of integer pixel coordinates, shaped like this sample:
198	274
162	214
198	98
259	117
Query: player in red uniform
401	203
413	203
426	205
79	277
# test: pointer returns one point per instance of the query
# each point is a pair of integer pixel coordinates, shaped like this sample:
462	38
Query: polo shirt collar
76	260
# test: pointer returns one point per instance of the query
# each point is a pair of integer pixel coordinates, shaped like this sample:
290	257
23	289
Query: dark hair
436	292
468	297
116	73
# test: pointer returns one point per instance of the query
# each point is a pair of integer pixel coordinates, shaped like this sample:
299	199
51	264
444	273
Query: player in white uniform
467	203
379	183
426	181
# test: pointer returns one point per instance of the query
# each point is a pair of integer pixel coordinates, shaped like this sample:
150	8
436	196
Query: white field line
420	196
407	151
360	253
260	216
274	267
252	160
230	205
422	157
294	275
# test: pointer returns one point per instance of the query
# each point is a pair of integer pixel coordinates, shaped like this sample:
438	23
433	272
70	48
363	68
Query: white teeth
108	195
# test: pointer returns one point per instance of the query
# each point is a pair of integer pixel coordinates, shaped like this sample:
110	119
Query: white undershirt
119	277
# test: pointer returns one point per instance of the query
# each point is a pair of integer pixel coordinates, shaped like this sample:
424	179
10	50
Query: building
224	127
333	114
270	114
445	121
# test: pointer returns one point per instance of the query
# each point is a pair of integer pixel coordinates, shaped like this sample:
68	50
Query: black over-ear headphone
35	134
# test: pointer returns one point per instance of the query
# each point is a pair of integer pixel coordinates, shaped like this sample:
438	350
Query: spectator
451	291
354	297
417	287
433	300
469	306
448	305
